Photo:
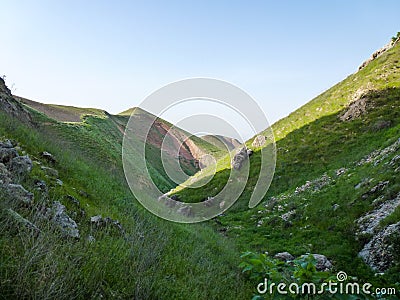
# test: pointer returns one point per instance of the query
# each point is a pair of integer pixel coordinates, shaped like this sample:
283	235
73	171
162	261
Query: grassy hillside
311	142
153	259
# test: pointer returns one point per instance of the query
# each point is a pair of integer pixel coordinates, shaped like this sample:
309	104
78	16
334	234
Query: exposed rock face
22	221
370	221
21	165
240	158
284	256
355	110
11	106
59	216
259	141
378	53
48	156
5	175
380	251
7	154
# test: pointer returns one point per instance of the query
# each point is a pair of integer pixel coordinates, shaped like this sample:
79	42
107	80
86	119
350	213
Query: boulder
239	159
66	224
21	165
6	144
48	156
259	141
7	154
100	222
284	256
5	175
323	264
380	252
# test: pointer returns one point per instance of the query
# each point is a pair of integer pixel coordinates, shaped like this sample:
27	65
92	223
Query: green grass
156	259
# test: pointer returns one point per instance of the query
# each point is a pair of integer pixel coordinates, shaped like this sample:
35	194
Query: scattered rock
41	185
341	171
284	256
100	222
259	141
377	188
21	165
335	206
66	224
59	182
91	239
323	263
18	194
239	159
378	156
285	217
315	185
370	221
48	156
209	202
381	124
73	200
380	251
377	53
7	154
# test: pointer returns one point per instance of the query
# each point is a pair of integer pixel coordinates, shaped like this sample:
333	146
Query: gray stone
6	144
239	159
323	264
65	223
21	165
259	141
284	256
7	154
380	251
370	221
5	175
48	156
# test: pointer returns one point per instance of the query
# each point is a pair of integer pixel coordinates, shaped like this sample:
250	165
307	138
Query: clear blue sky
112	54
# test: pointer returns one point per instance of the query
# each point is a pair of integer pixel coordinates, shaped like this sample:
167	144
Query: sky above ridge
112	54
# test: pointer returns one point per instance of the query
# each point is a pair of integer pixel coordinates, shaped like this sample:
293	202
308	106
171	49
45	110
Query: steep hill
70	228
222	142
337	162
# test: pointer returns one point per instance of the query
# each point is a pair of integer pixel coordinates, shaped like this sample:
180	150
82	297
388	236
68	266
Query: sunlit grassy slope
156	259
313	141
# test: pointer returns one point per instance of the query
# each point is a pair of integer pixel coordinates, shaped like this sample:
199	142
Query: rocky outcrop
58	215
284	256
259	141
99	222
323	264
11	106
378	53
380	252
356	109
240	157
21	166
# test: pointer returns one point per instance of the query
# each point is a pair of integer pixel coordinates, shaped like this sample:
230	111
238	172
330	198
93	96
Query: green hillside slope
126	253
313	143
